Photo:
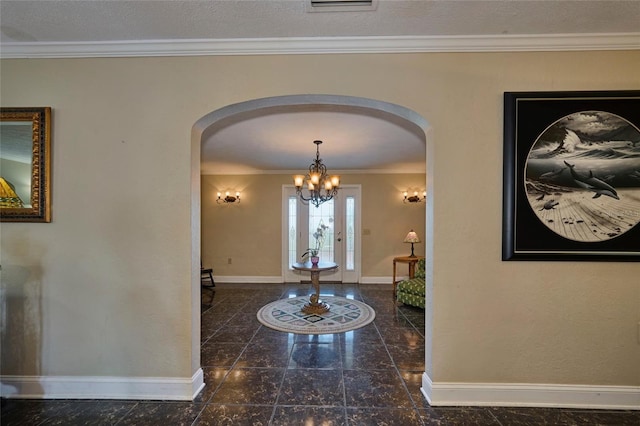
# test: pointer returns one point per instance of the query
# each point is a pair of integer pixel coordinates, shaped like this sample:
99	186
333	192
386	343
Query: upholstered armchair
412	291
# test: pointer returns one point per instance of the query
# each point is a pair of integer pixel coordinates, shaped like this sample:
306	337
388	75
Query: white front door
341	218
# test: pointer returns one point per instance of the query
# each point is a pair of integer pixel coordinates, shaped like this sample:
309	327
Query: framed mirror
25	164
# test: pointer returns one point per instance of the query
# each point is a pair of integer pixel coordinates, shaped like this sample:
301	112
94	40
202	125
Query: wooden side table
412	268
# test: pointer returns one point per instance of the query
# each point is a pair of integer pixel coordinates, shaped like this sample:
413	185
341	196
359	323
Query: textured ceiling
109	20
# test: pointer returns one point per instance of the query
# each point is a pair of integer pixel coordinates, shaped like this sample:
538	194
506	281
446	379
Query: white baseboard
232	279
530	395
97	387
376	280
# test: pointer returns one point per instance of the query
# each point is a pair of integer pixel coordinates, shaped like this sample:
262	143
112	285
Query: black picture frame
561	202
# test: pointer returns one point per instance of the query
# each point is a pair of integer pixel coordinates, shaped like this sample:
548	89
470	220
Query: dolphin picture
552	175
592	183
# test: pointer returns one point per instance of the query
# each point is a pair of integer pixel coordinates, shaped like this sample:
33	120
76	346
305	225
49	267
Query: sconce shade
228	198
8	197
415	198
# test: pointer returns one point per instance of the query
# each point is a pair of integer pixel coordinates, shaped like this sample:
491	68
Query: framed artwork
571	177
25	164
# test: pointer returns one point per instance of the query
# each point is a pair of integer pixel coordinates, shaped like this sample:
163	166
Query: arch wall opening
215	120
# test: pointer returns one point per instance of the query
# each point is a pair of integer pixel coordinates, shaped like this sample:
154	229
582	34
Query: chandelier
320	186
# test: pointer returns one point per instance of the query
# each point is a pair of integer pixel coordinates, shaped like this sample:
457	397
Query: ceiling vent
341	5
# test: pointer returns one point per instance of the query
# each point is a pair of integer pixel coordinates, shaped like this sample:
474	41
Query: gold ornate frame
40	200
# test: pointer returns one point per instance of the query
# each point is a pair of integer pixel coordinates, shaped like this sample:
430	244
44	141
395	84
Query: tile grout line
395	366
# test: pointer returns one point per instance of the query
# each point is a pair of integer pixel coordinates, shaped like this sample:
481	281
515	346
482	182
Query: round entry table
315	305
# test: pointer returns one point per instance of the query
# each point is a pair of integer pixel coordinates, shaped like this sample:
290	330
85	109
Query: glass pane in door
293	231
323	214
350	215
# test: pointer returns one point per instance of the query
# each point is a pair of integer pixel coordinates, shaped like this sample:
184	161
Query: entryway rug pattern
345	315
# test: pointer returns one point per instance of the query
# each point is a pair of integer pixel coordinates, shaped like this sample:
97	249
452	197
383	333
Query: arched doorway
212	122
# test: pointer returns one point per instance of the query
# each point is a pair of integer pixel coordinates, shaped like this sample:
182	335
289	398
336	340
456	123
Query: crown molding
322	45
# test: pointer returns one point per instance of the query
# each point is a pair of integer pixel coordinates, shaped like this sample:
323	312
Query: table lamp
412	238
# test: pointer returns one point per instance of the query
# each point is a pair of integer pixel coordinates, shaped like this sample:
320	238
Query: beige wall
250	232
105	289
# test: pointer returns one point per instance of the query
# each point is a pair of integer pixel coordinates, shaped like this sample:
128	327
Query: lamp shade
411	237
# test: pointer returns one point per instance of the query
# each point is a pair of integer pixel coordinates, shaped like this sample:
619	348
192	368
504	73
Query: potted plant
313	252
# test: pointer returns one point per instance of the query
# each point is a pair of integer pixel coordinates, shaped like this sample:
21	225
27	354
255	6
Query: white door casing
344	234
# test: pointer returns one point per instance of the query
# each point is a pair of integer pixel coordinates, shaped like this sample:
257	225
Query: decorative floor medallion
344	315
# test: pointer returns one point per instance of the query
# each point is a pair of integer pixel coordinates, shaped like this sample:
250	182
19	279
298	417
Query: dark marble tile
529	416
212	324
268	335
249	386
214	354
212	379
266	354
316	355
232	415
402	336
245	317
248	395
408	357
383	307
318	338
312	387
413	382
165	413
367	356
459	416
365	335
602	417
375	389
207	297
342	291
64	412
418	322
92	413
556	416
305	415
226	307
383	416
28	412
384	321
235	334
409	311
259	300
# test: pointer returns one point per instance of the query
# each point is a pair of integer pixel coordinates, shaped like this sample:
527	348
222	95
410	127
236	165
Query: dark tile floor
258	376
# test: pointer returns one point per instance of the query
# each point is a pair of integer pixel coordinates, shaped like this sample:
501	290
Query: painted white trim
406	170
530	395
98	387
323	45
232	279
248	279
376	280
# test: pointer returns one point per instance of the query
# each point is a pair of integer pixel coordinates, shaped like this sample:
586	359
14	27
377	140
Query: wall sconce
415	198
228	198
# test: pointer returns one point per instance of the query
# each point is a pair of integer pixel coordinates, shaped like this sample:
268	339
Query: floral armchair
412	291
